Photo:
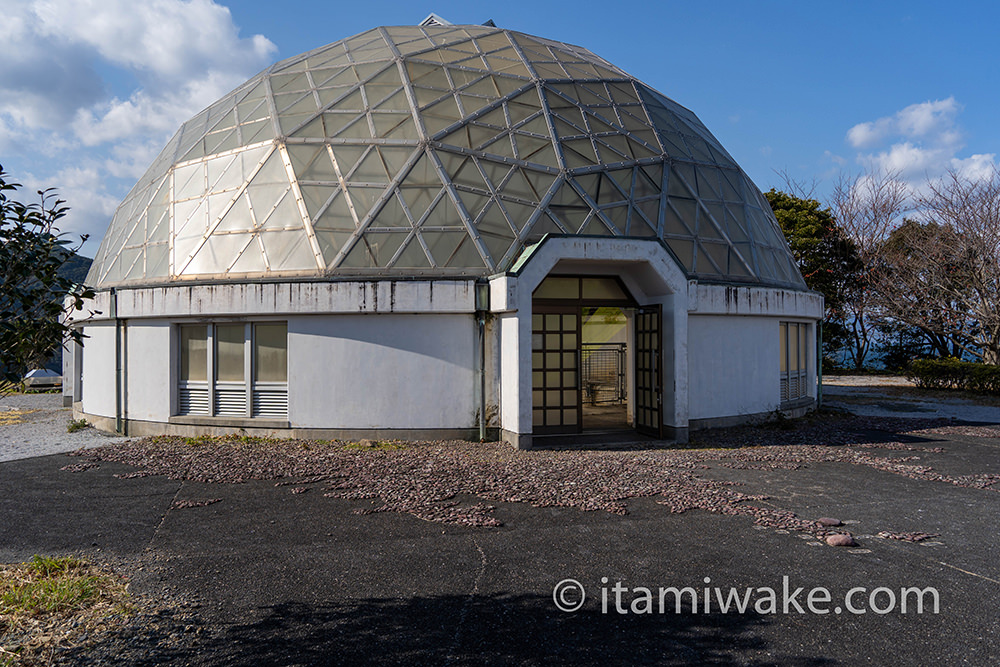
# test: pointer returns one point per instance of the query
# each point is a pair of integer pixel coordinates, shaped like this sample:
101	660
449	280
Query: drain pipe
482	306
118	362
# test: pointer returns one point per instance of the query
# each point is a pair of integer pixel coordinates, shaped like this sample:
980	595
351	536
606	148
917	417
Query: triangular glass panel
684	250
412	256
466	256
336	216
364	198
442	245
500	147
395	158
337	78
250	260
544	224
647	182
736	265
288	251
473	202
295	103
218	254
595	226
390	216
703	265
735	223
485	88
623	179
492	221
285	215
619	216
507	66
536	150
311	163
614	148
370	169
418	199
443	214
518	186
283	83
550	70
496	172
264	197
359	129
351	102
157	256
253	110
405	129
395	102
678	188
644	218
425	97
290	122
540	181
674	223
315	197
467	174
479	136
518	214
330	243
253	133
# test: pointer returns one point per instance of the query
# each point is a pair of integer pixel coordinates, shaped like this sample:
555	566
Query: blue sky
90	90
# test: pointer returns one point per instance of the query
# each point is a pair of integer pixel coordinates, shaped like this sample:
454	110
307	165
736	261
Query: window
794	353
216	362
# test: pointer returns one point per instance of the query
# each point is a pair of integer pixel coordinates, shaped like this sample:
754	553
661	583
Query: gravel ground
455	482
35	425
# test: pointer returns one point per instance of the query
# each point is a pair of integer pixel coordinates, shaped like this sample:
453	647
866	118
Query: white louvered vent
193	400
231	401
271	401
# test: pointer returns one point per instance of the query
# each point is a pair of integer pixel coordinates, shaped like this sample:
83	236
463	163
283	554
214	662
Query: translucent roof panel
436	151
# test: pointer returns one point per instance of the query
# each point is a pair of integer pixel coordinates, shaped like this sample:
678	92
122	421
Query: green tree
34	296
827	259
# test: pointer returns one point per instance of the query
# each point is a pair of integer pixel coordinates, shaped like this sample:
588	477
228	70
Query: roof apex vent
433	20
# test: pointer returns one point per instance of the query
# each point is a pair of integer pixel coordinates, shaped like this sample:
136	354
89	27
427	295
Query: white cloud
918	142
84	190
934	119
102	85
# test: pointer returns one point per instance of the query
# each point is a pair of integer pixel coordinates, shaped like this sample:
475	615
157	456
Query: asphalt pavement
275	578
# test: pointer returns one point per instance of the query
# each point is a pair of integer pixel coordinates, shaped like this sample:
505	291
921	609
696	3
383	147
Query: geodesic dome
436	151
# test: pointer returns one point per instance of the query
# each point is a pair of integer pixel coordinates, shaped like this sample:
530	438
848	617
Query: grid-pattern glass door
648	372
555	385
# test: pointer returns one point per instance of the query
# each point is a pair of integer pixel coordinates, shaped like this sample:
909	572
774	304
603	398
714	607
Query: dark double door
557	396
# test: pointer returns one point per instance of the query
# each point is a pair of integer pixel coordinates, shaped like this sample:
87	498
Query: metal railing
603	373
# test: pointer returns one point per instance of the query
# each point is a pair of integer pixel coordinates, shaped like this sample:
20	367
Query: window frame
793	374
217	399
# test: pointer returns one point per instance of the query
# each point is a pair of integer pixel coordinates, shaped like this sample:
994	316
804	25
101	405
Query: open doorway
604	376
591	353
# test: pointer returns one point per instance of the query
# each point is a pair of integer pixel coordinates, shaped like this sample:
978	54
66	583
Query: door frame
654	429
576	305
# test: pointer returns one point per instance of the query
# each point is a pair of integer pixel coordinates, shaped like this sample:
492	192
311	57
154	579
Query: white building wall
382	371
150	377
732	366
99	369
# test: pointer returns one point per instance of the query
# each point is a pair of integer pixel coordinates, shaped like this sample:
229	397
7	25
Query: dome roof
436	151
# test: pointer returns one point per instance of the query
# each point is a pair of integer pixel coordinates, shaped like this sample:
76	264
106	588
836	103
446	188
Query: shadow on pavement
491	630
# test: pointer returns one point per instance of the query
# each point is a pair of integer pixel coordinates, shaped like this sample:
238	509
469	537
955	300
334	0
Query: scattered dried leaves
426	479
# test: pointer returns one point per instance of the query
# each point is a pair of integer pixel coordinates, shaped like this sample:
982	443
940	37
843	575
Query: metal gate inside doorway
602	373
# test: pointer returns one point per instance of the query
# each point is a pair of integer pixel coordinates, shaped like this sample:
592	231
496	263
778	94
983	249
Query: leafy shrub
952	373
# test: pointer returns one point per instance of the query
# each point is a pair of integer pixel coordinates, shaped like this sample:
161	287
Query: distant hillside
76	268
